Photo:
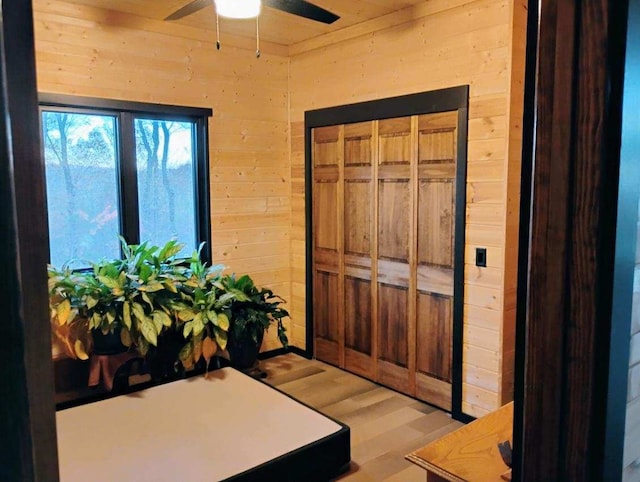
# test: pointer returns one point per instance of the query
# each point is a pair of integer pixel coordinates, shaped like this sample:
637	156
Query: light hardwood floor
385	425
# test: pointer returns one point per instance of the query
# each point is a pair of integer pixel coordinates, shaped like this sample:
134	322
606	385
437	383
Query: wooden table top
470	453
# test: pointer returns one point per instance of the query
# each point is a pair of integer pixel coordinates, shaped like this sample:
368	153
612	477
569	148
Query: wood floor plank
385	425
375	447
408	474
375	411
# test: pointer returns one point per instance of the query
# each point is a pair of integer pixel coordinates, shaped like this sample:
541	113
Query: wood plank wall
100	53
475	42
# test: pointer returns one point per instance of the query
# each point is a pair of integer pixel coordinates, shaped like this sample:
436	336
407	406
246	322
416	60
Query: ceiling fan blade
189	8
303	8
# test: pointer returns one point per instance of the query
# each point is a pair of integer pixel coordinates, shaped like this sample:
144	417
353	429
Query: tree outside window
122	171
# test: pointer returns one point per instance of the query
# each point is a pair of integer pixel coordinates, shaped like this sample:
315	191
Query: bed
227	426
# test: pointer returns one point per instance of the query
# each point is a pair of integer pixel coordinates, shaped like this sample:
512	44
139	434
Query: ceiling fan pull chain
257	37
217	30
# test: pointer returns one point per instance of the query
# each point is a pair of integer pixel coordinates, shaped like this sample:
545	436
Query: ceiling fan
300	8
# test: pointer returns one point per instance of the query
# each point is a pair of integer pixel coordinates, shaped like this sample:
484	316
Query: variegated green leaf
169	285
146	299
80	350
148	330
152	287
63	310
222	322
198	324
221	338
95	320
109	282
91	301
185	352
225	298
239	295
212	316
165	320
188	328
157	323
126	314
111	316
186	314
138	311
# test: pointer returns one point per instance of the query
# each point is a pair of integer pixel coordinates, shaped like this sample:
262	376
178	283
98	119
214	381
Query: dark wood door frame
564	317
27	413
443	100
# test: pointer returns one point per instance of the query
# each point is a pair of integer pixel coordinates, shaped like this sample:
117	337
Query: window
138	170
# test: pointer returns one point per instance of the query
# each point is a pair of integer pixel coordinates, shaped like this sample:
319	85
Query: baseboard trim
300	351
283	351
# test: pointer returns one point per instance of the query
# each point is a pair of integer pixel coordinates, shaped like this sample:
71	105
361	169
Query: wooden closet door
437	139
327	145
383	250
359	215
394	233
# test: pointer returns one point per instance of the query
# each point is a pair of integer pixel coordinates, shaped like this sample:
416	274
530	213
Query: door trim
27	412
442	100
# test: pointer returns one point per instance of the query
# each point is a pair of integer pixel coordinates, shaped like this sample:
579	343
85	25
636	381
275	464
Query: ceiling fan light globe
238	8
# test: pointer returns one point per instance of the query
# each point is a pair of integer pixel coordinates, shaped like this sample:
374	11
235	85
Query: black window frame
125	113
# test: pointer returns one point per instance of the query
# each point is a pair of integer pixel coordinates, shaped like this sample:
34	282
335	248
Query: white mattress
190	430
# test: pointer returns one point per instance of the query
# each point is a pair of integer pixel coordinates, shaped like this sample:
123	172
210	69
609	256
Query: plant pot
107	344
162	360
243	352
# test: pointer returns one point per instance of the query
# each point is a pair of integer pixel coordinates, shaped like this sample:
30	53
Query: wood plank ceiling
275	26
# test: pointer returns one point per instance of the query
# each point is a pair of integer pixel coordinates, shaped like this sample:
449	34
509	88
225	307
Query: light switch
481	257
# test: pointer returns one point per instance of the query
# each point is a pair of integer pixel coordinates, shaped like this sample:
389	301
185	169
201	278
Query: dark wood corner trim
568	318
27	412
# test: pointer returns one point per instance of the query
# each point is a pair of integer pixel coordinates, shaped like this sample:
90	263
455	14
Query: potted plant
252	310
203	311
174	312
142	299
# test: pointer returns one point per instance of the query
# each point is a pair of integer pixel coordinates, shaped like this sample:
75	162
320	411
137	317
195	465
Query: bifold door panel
384	205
